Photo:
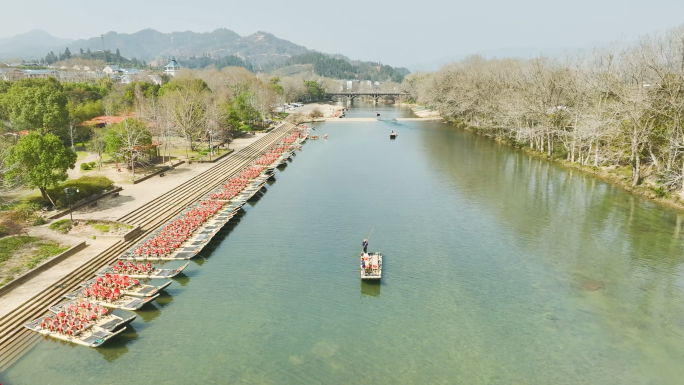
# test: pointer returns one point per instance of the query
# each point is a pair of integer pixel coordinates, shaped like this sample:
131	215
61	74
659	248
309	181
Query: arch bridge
351	95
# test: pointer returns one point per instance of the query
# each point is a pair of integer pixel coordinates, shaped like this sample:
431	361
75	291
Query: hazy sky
395	32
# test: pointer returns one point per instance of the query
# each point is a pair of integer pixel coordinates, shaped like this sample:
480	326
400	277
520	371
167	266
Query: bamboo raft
124	302
140	290
371	266
155	272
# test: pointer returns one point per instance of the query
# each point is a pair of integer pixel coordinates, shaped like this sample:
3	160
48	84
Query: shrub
660	191
316	113
87	186
85	166
61	226
3	231
27	209
39	221
92	164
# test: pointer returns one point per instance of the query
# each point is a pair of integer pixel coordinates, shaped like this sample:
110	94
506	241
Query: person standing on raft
365	246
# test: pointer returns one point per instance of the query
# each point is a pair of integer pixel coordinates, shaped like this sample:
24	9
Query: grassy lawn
11	244
81	155
23	253
103	228
61	226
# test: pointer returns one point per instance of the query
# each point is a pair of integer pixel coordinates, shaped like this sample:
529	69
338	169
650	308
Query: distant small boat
393	135
371	266
378	114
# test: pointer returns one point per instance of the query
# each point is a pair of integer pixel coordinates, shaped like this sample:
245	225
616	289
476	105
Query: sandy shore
426	113
328	110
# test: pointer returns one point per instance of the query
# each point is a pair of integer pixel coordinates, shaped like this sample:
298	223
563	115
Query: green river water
499	269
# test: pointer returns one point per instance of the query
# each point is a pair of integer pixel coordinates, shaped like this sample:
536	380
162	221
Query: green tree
67	53
37	104
39	161
275	85
244	107
316	92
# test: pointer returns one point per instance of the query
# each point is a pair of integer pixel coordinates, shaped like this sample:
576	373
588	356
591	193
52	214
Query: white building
172	68
109	70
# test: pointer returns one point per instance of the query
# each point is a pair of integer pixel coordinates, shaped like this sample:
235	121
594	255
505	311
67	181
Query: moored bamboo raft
89	335
140	273
138	290
121	302
101	317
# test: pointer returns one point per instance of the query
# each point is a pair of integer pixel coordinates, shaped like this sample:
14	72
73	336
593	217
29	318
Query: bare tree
185	108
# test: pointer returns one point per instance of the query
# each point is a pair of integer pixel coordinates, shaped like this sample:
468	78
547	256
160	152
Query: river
499	268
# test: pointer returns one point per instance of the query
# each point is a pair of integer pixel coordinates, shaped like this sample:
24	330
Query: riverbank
422	111
615	175
327	110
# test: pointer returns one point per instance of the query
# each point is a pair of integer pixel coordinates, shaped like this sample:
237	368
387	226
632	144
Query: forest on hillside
337	68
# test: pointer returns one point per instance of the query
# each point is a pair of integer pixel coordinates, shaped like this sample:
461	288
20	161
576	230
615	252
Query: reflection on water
505	269
370	288
151	310
182	279
117	347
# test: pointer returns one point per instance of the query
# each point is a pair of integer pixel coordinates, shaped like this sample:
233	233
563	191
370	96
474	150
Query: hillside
29	45
260	51
339	67
258	48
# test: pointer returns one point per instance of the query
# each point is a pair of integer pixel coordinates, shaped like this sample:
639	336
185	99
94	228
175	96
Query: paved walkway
131	198
135	195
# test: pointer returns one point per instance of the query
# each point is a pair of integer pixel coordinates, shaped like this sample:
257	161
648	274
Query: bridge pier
376	95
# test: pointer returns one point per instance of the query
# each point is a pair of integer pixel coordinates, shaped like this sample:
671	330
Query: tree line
203	109
107	56
617	107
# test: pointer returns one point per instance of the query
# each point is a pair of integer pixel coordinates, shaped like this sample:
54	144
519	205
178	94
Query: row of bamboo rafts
102	306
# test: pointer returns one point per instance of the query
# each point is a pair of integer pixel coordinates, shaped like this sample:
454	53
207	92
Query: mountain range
259	48
30	45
